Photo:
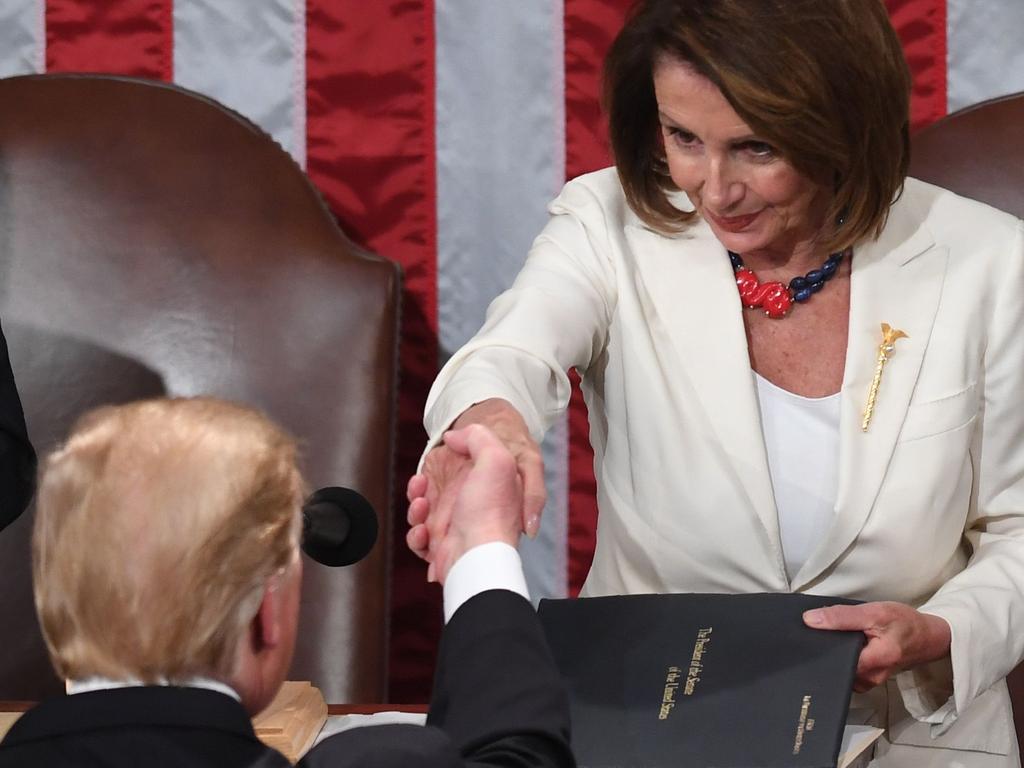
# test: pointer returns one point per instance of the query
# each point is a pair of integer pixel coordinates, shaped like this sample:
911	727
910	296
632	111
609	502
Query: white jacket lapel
689	284
896	280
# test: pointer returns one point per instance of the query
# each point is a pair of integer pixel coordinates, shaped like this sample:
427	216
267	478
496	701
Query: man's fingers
481	444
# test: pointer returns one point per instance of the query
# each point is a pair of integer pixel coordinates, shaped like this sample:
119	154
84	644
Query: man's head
166	546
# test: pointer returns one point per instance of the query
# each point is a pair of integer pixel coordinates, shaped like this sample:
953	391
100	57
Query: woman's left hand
898	637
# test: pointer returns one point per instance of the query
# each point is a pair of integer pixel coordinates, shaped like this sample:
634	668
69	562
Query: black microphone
339	527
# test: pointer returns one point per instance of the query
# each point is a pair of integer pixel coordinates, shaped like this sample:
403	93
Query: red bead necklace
774	297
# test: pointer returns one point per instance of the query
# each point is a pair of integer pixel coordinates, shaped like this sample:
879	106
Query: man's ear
266	624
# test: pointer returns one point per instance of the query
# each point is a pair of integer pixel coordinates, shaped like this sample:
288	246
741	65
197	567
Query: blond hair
157	525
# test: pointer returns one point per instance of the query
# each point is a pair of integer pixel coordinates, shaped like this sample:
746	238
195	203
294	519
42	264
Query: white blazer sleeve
553	318
984	603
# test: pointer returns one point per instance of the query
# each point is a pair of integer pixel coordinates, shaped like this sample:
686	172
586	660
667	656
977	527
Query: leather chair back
154	242
978	152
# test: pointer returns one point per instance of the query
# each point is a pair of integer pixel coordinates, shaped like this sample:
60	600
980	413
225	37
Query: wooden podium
291	722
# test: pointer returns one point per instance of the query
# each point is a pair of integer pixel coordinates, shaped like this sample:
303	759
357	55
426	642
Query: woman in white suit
802	369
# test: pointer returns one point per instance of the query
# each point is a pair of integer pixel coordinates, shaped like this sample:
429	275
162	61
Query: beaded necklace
774	297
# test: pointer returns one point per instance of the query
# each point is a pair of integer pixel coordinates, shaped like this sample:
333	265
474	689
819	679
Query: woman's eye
759	149
679	136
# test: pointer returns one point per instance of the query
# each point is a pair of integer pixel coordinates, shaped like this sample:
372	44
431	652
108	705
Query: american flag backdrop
438	130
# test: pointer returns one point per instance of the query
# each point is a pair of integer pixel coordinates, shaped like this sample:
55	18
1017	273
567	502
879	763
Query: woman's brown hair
823	81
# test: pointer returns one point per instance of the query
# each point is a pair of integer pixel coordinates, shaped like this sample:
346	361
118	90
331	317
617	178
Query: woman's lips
732	223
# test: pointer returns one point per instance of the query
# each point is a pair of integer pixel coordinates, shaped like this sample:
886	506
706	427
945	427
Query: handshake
466	495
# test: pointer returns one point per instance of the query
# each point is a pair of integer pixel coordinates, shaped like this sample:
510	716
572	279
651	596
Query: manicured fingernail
814	618
532	525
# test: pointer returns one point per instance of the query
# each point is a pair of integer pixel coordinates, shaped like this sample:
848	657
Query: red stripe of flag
370	149
123	37
921	25
590	26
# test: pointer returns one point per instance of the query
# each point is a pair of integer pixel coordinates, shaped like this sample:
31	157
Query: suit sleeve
384	746
984	603
17	458
498	701
497	693
553	318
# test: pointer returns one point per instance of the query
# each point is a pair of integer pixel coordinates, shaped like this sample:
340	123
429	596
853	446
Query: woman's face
753	199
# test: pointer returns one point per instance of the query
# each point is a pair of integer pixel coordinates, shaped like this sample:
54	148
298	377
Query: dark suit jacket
17	459
497	701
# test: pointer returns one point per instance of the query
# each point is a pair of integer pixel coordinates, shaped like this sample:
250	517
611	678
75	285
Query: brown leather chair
152	241
978	152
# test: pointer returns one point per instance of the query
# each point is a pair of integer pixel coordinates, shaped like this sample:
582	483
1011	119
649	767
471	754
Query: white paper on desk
856	740
338	723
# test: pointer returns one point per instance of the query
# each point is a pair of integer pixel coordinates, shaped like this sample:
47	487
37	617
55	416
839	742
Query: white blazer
930	504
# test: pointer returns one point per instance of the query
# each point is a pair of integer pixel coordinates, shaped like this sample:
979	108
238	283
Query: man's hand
442	465
898	636
501	418
480	500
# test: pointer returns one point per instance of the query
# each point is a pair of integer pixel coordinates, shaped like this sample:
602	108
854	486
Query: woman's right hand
442	464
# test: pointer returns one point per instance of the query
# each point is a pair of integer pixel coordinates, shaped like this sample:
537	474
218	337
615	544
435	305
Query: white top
801	435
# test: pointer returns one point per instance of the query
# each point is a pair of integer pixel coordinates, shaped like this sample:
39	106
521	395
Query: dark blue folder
703	681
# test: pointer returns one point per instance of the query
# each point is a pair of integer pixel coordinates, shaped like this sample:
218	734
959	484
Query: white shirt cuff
494	565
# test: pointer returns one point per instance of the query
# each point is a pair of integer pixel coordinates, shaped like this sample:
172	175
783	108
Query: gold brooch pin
885	350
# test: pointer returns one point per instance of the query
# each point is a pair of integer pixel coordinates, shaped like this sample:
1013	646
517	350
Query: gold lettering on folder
697	661
802	725
689	678
668	697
